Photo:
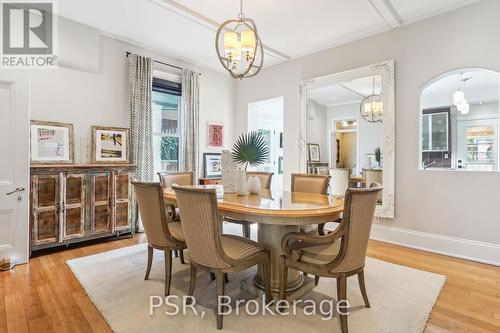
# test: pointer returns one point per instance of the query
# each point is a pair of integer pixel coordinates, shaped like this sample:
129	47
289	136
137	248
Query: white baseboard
455	247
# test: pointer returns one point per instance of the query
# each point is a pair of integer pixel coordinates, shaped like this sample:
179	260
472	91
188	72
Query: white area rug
401	298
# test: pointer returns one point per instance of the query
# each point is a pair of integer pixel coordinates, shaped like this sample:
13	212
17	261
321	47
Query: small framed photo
212	165
51	142
215	135
110	144
313	152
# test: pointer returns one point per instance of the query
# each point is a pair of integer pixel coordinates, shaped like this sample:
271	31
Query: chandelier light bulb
458	97
464	107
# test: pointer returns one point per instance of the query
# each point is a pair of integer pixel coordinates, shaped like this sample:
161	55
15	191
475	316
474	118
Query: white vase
253	185
241	182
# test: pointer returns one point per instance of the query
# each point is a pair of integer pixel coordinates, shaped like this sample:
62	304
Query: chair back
167	179
201	225
357	221
307	183
264	177
340	180
153	214
373	176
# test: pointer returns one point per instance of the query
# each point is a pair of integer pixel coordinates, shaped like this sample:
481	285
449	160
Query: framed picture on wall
212	165
110	144
51	142
215	135
313	152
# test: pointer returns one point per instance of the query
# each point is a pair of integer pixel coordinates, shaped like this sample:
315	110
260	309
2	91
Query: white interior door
14	166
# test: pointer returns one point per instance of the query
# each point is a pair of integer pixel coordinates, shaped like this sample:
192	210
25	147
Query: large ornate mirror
459	121
347	130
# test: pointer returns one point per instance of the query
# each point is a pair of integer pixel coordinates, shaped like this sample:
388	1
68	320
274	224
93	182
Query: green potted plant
249	149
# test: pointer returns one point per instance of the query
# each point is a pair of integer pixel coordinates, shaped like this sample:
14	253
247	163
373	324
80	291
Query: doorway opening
344	142
266	117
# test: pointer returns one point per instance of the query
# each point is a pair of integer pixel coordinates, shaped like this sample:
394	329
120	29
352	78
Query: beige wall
91	86
453	204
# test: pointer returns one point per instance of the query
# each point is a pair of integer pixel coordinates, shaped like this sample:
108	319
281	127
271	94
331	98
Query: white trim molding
386	71
487	253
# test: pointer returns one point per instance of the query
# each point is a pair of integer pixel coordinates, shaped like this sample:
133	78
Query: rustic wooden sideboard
72	203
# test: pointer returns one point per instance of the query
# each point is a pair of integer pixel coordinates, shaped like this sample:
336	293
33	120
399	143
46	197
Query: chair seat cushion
316	254
176	231
237	248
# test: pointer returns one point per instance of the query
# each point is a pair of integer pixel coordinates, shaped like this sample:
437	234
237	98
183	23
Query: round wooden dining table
277	213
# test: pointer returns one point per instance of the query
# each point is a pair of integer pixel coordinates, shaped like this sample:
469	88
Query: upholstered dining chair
309	183
339	254
340	179
373	176
167	179
161	235
209	249
265	183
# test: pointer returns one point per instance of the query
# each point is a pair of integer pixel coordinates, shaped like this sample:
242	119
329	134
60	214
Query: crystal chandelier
239	49
372	106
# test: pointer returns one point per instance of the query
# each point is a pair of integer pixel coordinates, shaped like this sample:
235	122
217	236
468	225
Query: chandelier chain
241	15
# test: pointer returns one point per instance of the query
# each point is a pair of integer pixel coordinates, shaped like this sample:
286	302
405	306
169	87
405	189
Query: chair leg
342	296
283	277
212	276
361	280
176	254
150	262
220	292
316	280
192	280
226	278
246	230
181	257
267	279
168	271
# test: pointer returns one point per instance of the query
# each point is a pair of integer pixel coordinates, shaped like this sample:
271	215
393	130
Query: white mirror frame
386	70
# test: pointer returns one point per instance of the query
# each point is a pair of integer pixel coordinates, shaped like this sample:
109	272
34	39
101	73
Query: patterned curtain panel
141	121
191	108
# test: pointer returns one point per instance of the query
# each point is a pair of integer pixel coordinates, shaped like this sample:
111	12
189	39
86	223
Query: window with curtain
167	124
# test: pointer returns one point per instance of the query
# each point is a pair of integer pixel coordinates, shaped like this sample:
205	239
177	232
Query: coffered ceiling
288	29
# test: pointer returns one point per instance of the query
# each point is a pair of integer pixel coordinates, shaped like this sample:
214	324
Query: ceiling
347	92
289	29
482	87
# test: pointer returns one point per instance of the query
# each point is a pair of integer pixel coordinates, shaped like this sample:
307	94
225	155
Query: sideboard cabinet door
100	205
73	206
121	202
46	208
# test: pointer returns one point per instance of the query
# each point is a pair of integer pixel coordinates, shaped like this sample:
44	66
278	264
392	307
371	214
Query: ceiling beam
387	13
208	23
350	91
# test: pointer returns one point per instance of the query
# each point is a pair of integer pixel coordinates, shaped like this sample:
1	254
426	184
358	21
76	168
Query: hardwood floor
44	295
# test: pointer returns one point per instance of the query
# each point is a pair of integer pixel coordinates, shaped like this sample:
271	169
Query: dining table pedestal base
251	286
270	236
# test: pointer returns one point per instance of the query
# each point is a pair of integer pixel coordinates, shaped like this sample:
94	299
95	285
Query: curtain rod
163	63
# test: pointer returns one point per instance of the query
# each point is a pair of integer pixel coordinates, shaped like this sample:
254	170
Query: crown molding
210	24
